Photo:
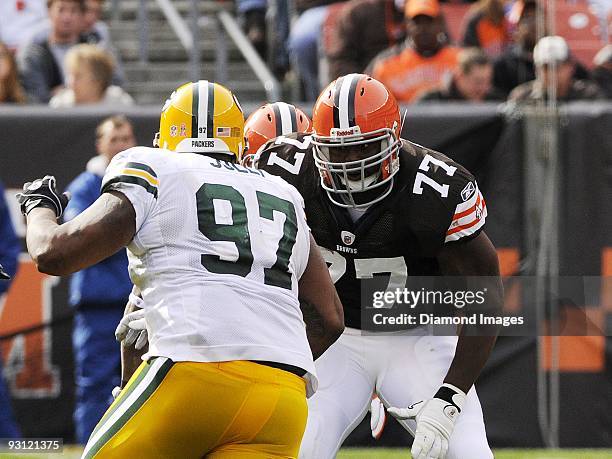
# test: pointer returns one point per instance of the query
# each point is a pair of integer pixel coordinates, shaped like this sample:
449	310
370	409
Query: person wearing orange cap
423	60
364	29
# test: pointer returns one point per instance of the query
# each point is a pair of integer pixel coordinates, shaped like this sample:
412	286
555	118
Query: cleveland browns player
379	204
268	122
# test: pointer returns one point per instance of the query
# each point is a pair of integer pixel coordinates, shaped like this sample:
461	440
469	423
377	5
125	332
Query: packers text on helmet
202	117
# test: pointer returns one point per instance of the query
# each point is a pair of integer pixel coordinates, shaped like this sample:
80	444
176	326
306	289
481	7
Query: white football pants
401	369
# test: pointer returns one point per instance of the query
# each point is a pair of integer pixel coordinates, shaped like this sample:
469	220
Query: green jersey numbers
236	230
278	275
222	217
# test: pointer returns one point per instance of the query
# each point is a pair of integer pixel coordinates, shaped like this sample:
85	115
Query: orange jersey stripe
459	215
462	227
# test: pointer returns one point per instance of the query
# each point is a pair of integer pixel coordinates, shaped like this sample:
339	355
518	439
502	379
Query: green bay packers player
223	257
379	205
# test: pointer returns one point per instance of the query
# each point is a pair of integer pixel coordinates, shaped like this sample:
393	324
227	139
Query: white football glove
132	330
378	417
435	420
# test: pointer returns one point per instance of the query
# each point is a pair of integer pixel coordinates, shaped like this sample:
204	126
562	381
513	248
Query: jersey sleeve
132	174
447	205
470	211
291	158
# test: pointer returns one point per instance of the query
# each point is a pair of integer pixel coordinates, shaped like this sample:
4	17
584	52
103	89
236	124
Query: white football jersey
217	255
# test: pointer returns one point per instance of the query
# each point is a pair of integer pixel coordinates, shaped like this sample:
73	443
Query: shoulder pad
291	158
446	199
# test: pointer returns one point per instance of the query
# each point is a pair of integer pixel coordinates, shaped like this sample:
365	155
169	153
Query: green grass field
376	453
383	453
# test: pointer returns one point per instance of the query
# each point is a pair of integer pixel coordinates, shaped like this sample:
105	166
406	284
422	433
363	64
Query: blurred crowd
60	52
407	45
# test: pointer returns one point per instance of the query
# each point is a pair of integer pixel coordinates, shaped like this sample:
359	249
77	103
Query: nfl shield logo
347	237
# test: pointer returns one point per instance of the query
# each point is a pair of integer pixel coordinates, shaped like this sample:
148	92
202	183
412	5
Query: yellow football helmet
202	117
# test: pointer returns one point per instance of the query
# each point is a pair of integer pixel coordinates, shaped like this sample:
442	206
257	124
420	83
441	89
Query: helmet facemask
362	182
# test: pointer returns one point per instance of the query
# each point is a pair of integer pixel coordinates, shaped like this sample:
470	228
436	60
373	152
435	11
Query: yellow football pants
218	410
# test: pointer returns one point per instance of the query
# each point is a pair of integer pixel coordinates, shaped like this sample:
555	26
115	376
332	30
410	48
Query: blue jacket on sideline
9	242
108	280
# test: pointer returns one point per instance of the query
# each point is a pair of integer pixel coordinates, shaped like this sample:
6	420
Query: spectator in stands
98	293
472	81
93	31
487	27
421	63
89	76
252	15
9	252
515	65
304	42
11	91
18	18
41	61
602	73
364	29
552	54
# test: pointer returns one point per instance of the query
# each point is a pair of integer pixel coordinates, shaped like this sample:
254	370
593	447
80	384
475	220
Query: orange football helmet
356	113
269	122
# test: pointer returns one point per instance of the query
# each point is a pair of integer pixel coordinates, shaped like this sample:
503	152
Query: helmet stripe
211	111
346	96
202	109
195	108
336	111
278	124
287	121
293	114
352	101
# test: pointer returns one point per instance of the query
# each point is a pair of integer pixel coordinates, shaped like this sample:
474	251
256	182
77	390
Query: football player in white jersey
220	254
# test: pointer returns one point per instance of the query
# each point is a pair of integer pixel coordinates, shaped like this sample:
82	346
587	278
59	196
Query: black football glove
42	193
3	274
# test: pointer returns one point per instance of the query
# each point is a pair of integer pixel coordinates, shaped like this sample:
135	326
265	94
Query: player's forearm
476	341
320	335
44	241
94	235
470	357
57	249
475	263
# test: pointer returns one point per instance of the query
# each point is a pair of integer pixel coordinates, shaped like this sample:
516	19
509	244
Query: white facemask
357	185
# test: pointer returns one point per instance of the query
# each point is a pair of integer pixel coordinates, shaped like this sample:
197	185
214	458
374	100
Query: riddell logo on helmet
336	132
